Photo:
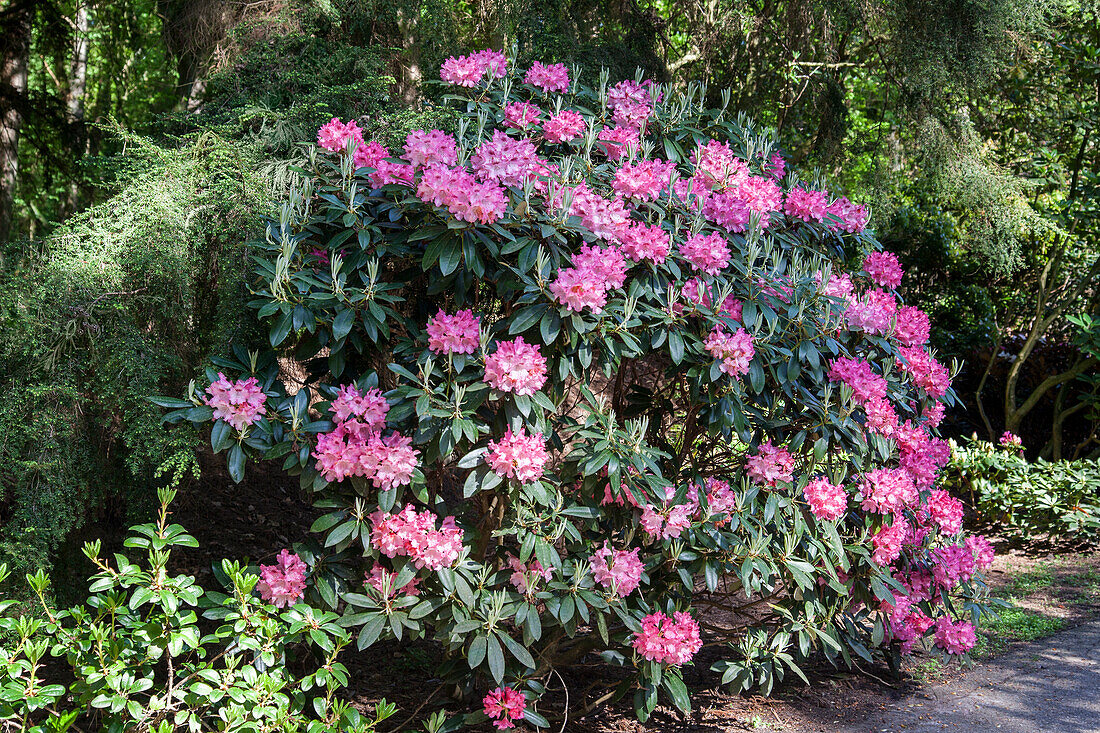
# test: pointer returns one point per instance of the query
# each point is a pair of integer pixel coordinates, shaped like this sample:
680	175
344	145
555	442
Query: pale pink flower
457	334
284	582
516	367
518	455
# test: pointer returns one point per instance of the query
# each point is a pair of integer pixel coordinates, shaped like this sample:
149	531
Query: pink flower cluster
826	499
873	313
720	499
858	374
884	269
668	522
379	576
354	449
504	706
595	271
617	570
852	218
644	180
807	205
618	140
709	253
469	71
718	166
473	201
518	455
606	218
564	126
947	511
887	542
334	135
457	334
886	490
548	77
913	327
516	366
521	115
644	242
370	407
239	403
770	465
955	637
431	147
668	640
413	534
505	159
924	370
1008	440
735	350
284	582
525	578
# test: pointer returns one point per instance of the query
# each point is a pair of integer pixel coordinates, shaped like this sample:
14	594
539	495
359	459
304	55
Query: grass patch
1033	580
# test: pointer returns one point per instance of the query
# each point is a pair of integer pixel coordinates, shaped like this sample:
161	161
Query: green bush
1059	498
125	300
135	655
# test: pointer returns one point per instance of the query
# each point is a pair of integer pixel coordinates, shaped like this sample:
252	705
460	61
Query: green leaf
341	325
236	463
496	659
678	691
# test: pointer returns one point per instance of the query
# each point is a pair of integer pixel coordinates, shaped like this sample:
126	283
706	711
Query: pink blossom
826	499
525	578
413	534
708	253
238	403
518	455
719	165
371	406
521	115
605	218
858	374
933	414
887	542
806	205
548	77
644	180
469	71
882	419
379	576
369	155
618	140
504	705
644	242
424	148
564	126
720	499
334	135
953	564
617	570
776	166
770	465
884	269
1008	440
354	450
885	490
668	640
947	511
955	638
924	370
852	218
839	286
728	210
457	334
284	582
670	521
734	350
912	327
389	173
873	313
506	160
516	367
982	550
579	289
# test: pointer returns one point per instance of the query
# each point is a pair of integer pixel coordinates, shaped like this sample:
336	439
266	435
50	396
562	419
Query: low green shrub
136	657
1002	487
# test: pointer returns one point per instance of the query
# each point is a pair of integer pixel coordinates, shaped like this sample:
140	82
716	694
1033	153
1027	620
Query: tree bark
77	93
15	27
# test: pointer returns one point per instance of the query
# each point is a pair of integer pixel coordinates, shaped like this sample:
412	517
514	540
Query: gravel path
1048	685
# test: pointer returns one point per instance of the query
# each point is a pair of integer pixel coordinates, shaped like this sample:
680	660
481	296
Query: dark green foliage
1059	498
122	302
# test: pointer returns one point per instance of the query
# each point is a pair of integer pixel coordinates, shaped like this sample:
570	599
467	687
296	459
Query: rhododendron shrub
600	374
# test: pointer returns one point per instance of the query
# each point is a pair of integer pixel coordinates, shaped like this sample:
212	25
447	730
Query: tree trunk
16	30
408	24
78	86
